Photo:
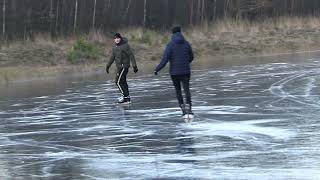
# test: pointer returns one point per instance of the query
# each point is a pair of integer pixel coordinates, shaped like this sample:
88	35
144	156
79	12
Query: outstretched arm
165	59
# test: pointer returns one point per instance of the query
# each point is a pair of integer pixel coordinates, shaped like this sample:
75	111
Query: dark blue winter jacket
180	55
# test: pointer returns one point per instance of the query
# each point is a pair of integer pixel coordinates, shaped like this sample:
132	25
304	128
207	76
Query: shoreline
27	74
53	85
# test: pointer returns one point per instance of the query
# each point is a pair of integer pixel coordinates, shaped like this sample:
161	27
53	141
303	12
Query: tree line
21	19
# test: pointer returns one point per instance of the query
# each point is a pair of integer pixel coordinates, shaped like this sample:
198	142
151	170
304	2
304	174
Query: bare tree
4	19
292	7
191	13
51	16
202	11
28	26
166	13
75	17
94	14
144	13
226	7
199	9
214	9
57	16
127	10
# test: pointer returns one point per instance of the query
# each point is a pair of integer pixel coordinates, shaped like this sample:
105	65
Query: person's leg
186	86
122	84
177	85
117	82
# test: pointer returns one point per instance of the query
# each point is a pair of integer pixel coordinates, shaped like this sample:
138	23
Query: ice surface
251	122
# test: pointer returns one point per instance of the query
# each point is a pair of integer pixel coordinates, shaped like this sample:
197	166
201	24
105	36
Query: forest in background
57	37
23	19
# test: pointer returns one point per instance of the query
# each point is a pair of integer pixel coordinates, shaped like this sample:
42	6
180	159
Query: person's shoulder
126	46
187	43
170	43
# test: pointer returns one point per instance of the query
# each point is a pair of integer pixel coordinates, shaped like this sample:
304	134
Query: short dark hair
176	29
117	35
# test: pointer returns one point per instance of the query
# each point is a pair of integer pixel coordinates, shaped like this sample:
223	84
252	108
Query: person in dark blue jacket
180	55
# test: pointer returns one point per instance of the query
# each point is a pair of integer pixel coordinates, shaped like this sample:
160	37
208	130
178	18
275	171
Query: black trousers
121	81
185	81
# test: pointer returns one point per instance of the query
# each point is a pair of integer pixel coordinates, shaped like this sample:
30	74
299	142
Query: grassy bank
44	57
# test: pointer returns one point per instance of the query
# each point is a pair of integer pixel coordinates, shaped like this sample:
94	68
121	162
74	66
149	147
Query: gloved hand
155	73
107	70
135	69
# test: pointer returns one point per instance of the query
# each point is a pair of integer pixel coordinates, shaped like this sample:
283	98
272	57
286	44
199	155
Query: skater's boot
127	99
124	100
189	112
183	109
120	99
189	109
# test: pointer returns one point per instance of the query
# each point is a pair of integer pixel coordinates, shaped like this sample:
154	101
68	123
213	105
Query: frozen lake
257	121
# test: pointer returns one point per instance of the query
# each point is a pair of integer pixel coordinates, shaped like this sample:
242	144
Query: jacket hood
123	41
178	38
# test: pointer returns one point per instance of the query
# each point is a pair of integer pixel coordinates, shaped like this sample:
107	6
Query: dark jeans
121	82
184	80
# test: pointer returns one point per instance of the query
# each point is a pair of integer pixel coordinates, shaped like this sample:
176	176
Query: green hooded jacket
122	55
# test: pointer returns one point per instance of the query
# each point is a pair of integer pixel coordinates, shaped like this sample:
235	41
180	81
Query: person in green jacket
122	56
